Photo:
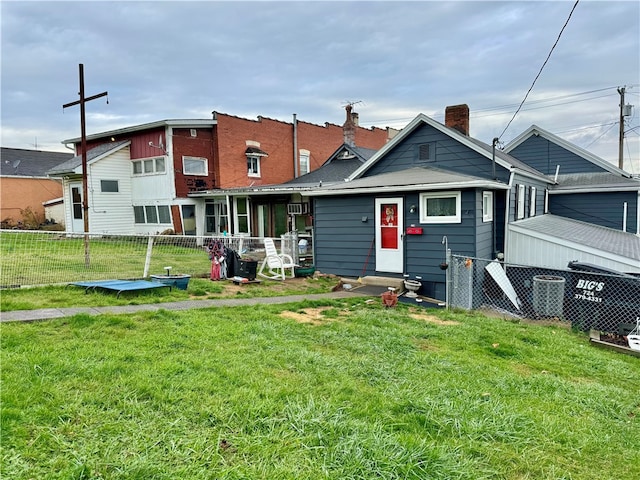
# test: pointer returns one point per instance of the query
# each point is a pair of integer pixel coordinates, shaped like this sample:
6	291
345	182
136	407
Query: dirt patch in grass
314	316
431	318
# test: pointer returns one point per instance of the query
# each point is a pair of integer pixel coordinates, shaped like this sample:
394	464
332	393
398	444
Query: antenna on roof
352	103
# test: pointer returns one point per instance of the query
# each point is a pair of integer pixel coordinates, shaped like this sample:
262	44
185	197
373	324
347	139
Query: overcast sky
182	60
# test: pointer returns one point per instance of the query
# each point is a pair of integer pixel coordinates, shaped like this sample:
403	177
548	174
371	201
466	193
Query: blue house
431	187
587	188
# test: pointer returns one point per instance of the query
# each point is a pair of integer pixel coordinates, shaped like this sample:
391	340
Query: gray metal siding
544	156
449	154
600	208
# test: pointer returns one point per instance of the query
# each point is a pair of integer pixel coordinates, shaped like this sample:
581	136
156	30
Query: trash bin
248	269
548	295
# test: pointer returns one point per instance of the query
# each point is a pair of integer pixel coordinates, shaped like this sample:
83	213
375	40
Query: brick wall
199	146
276	139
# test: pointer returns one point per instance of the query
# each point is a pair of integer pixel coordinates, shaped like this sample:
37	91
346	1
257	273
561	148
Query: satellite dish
15	163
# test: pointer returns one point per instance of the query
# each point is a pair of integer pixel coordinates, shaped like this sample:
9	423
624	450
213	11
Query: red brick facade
276	138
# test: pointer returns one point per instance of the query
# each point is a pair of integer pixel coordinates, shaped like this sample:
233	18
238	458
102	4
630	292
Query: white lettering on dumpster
588	289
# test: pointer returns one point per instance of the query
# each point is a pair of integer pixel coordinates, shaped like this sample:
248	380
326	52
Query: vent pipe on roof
295	146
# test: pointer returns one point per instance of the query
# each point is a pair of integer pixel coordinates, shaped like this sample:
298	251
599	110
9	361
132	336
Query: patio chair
275	265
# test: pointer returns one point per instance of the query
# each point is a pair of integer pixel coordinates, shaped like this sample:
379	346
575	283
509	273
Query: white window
109	186
532	201
440	207
546	201
305	166
194	166
148	166
241	205
253	166
216	217
519	202
152	214
487	206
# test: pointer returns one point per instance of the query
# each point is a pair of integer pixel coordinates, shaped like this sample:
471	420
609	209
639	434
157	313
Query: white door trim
389	215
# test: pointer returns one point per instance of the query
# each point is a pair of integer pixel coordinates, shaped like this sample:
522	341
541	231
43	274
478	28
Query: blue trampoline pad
120	285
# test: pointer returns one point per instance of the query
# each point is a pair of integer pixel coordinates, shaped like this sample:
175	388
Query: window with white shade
194	166
305	164
440	207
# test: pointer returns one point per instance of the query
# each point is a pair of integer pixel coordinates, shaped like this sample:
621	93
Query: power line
541	68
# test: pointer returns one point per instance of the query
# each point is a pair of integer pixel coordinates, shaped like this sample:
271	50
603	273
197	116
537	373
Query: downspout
494	197
295	147
506	216
624	217
638	214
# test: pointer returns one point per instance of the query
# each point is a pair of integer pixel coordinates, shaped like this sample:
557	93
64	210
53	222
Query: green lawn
57	296
346	391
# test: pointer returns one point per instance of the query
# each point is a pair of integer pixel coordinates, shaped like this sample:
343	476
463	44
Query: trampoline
120	285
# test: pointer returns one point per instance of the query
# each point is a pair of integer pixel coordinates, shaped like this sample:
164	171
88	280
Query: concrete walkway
51	313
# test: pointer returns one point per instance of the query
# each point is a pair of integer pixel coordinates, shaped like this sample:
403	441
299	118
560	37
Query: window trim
532	201
257	161
201	160
425	196
307	155
141	163
520	193
487	216
117	185
143	209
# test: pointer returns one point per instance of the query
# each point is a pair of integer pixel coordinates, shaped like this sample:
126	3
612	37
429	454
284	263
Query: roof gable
502	159
95	154
535	131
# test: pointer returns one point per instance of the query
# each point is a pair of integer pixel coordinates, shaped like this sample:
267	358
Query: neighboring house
430	187
25	185
588	188
276	209
158	167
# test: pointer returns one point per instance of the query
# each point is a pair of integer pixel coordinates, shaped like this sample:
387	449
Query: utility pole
621	136
83	147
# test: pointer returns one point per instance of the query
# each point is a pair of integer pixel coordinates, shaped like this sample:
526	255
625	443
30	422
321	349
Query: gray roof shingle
17	162
587	234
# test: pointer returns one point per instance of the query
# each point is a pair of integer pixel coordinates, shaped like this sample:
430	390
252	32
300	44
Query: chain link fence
34	258
587	296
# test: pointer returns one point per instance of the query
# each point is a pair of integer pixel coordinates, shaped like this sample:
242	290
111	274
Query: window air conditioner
294	209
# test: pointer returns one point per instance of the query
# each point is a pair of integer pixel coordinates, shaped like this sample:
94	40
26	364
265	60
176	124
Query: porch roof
411	179
594	182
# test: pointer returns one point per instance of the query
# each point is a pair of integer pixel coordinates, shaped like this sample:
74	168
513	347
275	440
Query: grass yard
199	289
315	390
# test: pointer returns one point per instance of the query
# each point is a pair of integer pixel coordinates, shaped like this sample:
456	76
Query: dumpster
601	298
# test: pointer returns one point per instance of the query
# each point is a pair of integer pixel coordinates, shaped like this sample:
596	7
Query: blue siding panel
345	246
449	155
543	155
600	208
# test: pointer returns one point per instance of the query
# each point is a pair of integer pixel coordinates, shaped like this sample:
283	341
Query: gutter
408	188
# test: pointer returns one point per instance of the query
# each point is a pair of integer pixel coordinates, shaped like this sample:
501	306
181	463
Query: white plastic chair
275	265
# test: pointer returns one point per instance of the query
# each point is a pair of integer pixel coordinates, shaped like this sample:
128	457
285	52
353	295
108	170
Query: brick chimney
457	116
349	127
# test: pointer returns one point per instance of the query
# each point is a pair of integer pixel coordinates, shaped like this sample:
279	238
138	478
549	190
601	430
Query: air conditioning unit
294	209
